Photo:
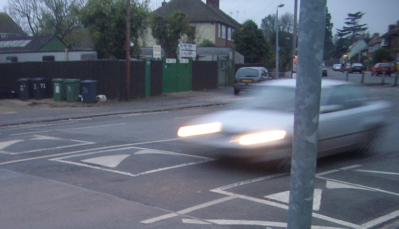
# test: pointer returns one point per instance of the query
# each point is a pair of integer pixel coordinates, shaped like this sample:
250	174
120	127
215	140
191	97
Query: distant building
356	49
390	40
210	22
17	46
8	28
45	48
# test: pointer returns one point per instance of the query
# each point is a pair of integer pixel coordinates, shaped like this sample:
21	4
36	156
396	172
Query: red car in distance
380	68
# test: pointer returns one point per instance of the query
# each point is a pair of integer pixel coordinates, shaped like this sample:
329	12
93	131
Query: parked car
347	67
246	77
324	71
380	68
260	126
337	67
356	67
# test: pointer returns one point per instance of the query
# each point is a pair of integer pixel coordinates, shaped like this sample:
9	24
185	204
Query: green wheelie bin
59	90
72	89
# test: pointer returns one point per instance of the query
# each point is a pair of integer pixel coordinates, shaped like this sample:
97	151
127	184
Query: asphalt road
130	171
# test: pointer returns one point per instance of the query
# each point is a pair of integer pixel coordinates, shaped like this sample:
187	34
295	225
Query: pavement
16	111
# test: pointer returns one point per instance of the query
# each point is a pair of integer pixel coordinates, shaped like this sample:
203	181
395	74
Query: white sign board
156	51
188	47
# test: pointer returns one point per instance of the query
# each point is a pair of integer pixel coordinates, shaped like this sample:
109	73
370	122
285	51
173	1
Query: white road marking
285	207
81	151
337	185
285	197
360	186
248	223
188	210
104	159
107	161
381	219
350	167
377	172
151	151
194	221
67	129
327	172
6	144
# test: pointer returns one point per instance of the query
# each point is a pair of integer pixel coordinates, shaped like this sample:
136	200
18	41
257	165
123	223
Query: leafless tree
46	17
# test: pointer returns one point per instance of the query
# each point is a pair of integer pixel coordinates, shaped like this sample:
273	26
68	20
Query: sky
379	14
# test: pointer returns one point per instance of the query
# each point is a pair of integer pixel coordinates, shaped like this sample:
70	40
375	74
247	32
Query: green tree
207	43
328	38
106	21
168	31
250	42
353	28
286	27
349	33
382	55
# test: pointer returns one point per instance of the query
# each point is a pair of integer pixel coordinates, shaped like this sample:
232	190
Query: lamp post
277	46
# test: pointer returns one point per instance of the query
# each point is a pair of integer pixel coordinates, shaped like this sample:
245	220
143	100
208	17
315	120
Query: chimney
213	3
391	27
163	3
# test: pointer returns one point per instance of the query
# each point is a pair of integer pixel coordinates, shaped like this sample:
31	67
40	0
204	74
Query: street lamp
277	46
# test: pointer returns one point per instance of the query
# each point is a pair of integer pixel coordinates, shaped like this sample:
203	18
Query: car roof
251	68
292	83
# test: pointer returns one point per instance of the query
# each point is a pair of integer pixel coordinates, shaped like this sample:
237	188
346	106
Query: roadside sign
187	50
156	51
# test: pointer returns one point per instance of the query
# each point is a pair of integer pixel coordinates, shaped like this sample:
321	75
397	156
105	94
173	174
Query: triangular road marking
107	161
285	196
6	144
335	185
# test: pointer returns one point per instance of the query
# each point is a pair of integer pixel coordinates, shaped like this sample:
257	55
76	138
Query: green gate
177	75
225	71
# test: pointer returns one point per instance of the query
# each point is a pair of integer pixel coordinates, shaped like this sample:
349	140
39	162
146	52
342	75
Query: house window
11	59
219	30
229	33
223	31
48	58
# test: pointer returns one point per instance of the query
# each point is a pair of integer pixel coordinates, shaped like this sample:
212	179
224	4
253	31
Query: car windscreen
247	73
385	65
269	98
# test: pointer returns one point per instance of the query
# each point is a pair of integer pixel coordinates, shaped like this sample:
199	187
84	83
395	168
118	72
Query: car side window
346	97
264	72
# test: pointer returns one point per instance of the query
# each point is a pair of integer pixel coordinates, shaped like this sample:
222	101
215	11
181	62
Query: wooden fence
110	76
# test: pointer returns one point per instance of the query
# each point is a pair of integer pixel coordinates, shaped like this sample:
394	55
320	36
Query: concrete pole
277	48
363	72
307	108
396	78
127	86
294	35
277	45
383	78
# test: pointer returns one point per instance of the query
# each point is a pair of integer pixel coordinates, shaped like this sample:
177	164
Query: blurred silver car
247	76
261	125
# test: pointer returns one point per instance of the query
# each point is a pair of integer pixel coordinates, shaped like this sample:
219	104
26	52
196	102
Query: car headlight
208	128
260	137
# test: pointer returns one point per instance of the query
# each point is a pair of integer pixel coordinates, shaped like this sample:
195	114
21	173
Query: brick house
210	22
390	40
